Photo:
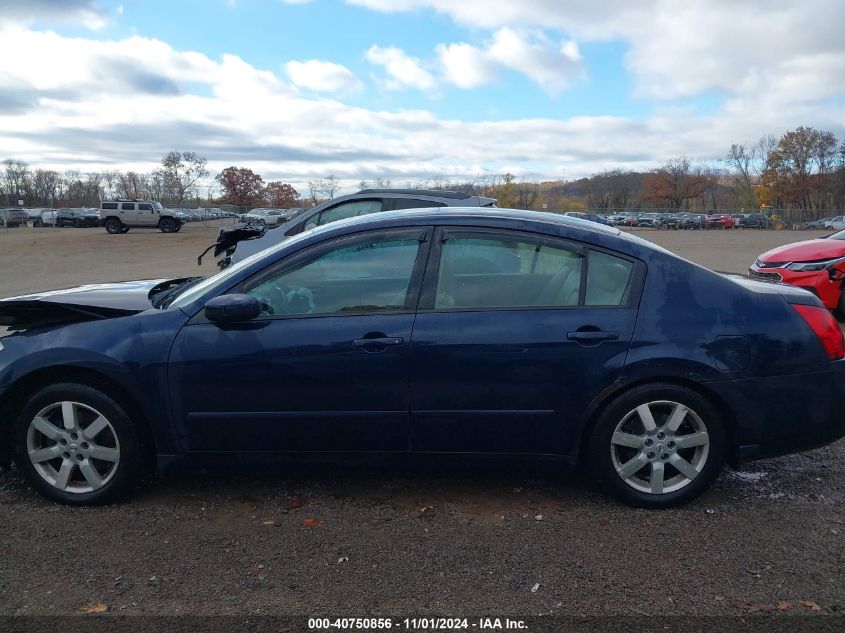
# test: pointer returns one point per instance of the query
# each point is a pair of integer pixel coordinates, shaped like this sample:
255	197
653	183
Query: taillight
821	321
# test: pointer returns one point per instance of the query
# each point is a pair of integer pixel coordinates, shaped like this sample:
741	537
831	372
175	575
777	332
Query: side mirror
234	308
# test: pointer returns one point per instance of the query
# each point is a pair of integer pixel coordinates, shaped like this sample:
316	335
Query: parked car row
271	217
834	222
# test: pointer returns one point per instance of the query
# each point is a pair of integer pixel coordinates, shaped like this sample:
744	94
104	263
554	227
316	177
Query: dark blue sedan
470	331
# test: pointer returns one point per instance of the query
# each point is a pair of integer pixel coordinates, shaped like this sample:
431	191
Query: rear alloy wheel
77	446
167	225
113	226
658	446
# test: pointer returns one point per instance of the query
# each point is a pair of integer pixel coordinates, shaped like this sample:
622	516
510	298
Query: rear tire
113	226
657	446
77	446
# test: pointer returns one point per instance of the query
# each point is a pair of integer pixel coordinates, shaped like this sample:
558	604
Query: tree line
801	173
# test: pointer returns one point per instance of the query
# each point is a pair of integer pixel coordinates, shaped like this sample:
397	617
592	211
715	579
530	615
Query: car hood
83	303
806	251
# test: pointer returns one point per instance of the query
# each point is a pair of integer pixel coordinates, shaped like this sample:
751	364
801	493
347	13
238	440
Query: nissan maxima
464	332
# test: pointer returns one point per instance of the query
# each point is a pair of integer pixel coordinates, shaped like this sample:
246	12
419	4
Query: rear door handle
593	336
377	344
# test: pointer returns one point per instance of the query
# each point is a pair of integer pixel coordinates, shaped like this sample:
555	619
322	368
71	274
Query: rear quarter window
608	279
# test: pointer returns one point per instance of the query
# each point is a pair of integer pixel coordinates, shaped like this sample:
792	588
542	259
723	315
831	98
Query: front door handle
377	343
592	336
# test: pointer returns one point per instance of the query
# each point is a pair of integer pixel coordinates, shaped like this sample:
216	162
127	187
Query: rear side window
145	207
128	206
608	280
414	203
109	205
500	272
503	273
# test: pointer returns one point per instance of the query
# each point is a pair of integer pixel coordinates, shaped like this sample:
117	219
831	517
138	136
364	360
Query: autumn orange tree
675	184
281	195
241	187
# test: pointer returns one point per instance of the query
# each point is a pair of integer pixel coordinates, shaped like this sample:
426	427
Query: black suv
754	221
238	243
78	217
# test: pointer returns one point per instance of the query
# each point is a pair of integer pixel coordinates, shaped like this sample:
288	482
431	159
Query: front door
515	336
324	368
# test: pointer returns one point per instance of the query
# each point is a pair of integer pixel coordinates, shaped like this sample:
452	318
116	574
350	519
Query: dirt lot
405	538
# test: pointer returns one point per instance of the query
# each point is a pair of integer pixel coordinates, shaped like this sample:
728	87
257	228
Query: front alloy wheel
77	445
167	225
73	447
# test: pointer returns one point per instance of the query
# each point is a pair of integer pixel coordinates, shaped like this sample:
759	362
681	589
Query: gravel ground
410	538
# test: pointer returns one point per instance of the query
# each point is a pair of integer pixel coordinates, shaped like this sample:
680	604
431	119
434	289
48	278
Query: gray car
364	202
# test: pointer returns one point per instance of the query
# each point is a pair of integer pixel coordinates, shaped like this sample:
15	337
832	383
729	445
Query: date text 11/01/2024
425	623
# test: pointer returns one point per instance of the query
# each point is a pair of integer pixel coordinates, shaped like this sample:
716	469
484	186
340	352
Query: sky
408	90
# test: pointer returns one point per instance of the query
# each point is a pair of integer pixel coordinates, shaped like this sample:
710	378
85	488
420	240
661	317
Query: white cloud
679	49
551	67
95	104
322	76
533	54
401	69
465	65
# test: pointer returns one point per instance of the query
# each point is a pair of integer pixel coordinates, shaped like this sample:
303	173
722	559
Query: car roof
453	215
432	193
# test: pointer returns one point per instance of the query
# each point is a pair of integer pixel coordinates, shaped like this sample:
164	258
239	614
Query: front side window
349	210
145	207
368	275
109	205
491	272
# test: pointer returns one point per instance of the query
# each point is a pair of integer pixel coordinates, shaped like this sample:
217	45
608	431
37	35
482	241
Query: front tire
113	226
76	445
167	225
658	446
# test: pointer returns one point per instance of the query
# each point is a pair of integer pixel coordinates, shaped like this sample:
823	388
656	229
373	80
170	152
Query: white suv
118	216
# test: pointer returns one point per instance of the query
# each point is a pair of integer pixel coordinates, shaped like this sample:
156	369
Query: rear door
516	334
128	215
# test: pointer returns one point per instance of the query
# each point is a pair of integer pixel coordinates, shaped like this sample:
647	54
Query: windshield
839	235
197	290
157	205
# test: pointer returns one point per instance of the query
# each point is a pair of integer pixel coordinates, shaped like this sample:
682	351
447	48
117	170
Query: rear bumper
785	414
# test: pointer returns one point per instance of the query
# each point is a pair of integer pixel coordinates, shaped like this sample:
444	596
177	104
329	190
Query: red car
815	265
719	221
